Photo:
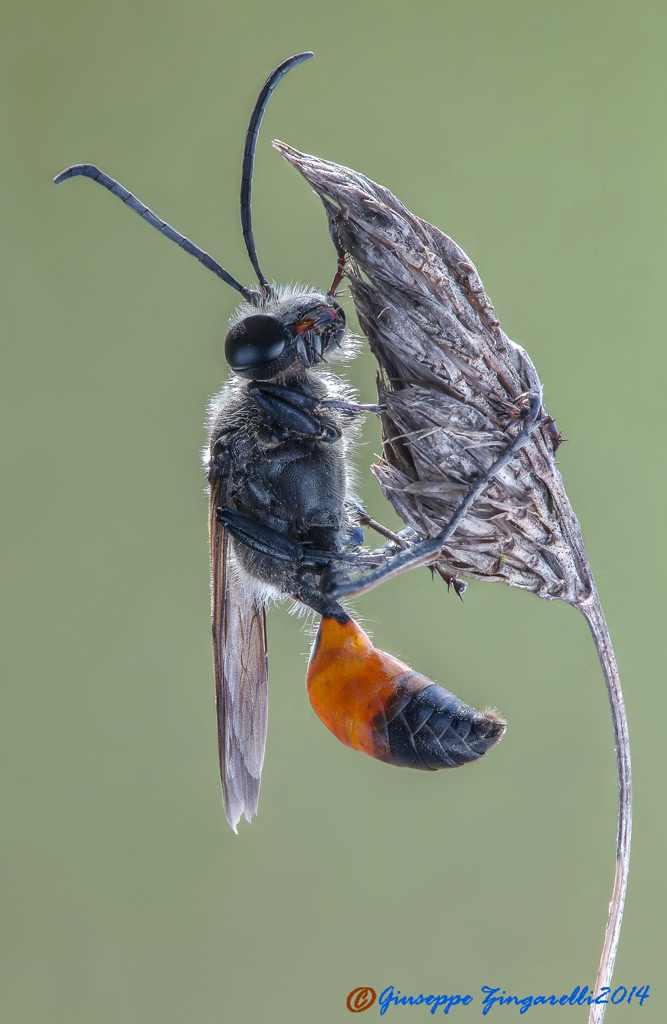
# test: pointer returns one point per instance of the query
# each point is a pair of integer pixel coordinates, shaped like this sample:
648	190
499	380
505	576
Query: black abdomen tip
434	729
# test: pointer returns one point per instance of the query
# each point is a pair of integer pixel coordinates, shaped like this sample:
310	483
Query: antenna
249	158
116	189
130	200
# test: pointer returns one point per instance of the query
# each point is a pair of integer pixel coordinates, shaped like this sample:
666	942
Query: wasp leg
429	550
340	272
351	408
375	703
295	413
334	219
401	541
556	438
259	536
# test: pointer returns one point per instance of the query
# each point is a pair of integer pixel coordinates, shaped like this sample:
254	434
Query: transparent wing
238	621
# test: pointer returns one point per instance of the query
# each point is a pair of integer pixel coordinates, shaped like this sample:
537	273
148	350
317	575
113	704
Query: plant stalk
592	611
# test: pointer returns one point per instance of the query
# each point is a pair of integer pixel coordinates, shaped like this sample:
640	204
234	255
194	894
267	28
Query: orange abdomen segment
373	702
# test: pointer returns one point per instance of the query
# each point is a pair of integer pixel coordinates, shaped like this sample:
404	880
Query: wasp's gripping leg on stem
402	541
427	551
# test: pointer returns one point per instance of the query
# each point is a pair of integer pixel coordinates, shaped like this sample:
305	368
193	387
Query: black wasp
284	523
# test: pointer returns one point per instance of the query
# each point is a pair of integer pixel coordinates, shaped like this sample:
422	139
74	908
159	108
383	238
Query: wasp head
286	332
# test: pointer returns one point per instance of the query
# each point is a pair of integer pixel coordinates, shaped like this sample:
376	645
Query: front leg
351	408
296	415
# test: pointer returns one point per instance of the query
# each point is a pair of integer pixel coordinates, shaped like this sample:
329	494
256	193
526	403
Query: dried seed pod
452	386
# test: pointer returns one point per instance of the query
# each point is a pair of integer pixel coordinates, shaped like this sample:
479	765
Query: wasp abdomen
436	730
375	703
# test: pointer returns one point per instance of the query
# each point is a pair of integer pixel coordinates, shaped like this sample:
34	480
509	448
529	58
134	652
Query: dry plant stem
449	383
594	615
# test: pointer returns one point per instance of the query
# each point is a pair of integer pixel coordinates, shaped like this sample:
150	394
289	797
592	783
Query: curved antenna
116	189
249	157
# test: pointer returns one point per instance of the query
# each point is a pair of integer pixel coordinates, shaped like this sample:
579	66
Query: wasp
284	522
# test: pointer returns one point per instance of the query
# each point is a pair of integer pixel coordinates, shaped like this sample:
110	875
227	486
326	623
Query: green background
533	133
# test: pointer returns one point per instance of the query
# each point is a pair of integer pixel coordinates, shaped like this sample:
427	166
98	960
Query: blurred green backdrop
534	135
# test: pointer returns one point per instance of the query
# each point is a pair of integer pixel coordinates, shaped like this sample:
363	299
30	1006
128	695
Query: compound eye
254	342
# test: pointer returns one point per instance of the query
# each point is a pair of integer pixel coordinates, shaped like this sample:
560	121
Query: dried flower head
453	390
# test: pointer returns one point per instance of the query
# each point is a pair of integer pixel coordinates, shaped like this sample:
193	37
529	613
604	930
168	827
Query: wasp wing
238	624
